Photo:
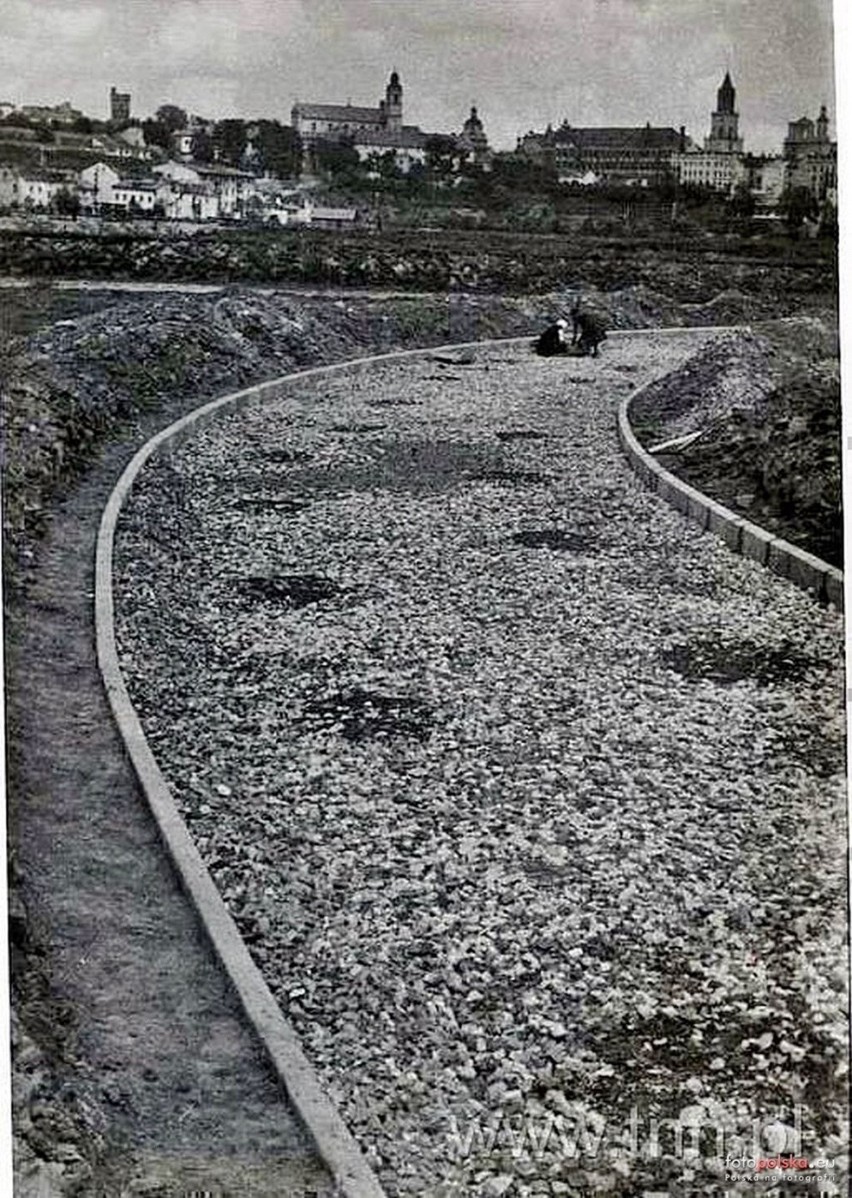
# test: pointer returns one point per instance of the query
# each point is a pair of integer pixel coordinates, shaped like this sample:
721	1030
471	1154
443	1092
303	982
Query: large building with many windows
643	155
334	122
369	130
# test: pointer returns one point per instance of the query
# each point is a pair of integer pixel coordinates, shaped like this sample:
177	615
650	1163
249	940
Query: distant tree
156	134
202	146
696	194
441	156
742	203
518	173
828	226
384	166
82	124
337	158
67	203
171	116
666	189
254	210
280	149
796	205
229	140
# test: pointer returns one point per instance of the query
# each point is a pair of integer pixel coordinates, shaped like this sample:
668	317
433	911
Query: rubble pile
767	408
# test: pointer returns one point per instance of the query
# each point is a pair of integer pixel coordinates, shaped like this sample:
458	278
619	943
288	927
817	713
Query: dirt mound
804	339
780	466
767	407
732	374
639	306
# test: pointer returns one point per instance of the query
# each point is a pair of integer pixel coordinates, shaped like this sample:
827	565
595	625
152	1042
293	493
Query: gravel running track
527	796
163	1059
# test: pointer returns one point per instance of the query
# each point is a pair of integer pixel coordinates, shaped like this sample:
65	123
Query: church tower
822	125
724	132
392	107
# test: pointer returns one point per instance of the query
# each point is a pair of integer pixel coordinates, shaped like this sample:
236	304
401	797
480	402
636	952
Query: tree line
261	145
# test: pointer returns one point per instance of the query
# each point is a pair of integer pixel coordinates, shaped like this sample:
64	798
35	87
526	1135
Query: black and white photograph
423	599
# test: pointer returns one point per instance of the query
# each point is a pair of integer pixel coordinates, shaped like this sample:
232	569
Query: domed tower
392	107
472	140
822	125
724	122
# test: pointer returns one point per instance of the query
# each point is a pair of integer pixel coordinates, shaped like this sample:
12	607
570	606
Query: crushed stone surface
527	797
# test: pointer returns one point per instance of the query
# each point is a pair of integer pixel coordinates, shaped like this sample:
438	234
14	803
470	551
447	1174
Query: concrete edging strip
741	535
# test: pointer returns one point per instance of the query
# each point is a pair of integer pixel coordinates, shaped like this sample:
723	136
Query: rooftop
408	137
639	137
338	112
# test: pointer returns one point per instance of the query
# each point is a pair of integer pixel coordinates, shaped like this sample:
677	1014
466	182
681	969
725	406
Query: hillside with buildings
339	165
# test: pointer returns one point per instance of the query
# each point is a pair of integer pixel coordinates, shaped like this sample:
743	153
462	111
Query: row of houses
649	156
172	190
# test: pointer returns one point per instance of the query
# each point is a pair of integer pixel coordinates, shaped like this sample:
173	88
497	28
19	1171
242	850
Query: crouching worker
552	340
589	332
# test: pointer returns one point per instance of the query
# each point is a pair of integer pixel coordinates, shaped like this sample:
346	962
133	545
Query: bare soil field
688	268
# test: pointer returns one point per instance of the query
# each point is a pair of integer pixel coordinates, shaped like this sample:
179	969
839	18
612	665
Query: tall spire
726	96
724	122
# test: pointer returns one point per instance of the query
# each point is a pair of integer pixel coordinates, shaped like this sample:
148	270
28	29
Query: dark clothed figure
591	332
552	340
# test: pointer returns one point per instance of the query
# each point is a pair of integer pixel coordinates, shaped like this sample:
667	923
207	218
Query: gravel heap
767	407
731	374
527	796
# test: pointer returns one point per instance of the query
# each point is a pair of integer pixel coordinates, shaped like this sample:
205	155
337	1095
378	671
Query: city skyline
524	63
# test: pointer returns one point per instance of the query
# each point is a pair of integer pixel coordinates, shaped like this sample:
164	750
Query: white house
232	188
317	216
96	185
720	170
136	195
32	187
408	146
185	196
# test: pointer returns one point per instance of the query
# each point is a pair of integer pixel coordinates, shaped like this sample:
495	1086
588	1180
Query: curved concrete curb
800	567
333	1141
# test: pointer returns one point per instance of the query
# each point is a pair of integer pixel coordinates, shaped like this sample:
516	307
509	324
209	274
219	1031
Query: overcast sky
523	62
